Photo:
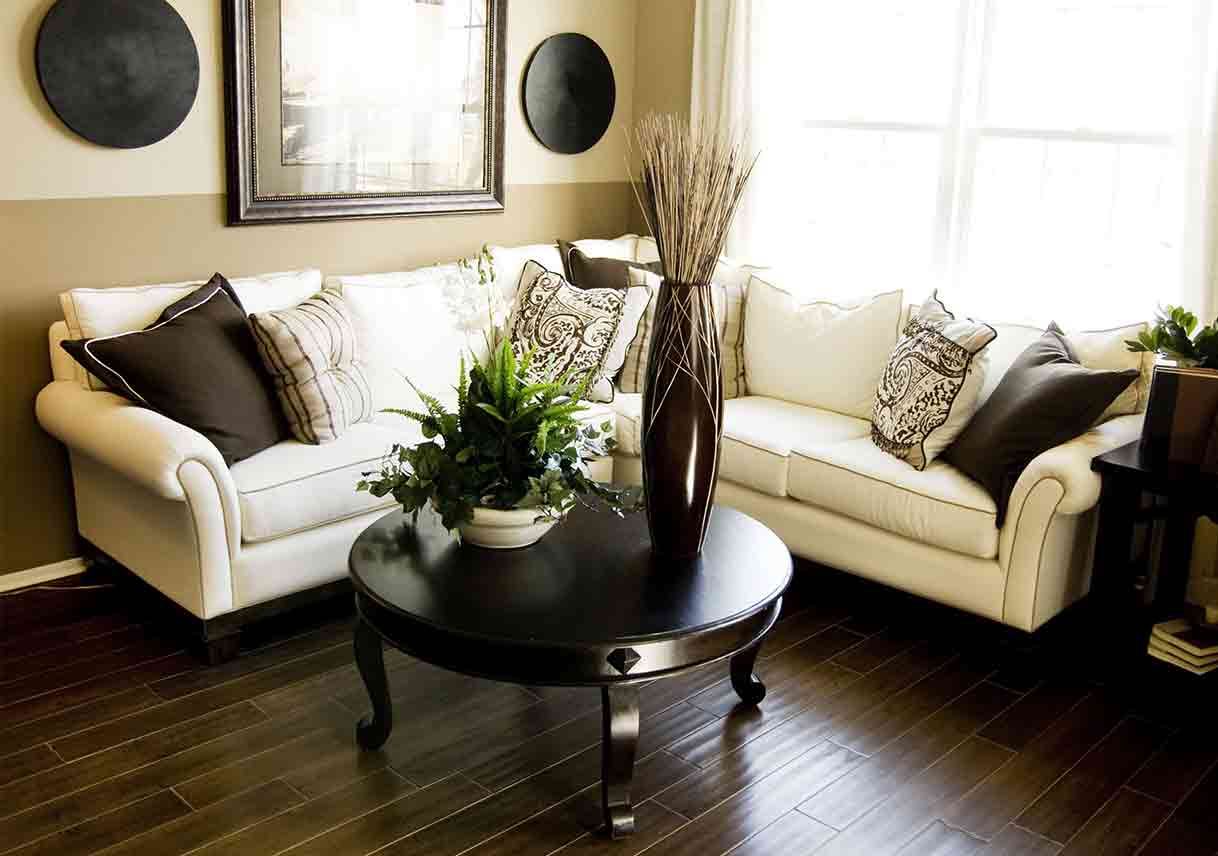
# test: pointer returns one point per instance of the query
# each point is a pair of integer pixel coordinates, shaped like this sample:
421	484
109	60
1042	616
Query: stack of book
1179	642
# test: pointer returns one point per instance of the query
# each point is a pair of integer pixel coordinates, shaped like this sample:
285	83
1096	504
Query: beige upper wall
47	161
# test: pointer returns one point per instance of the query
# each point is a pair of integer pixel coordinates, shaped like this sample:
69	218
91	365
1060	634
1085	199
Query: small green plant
1172	337
510	444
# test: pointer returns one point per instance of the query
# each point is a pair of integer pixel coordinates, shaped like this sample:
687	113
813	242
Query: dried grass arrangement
693	178
692	182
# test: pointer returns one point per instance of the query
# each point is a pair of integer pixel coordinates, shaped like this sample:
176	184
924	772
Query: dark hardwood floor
891	726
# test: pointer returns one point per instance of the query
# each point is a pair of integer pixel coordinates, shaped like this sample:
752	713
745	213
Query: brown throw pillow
584	271
198	365
1045	398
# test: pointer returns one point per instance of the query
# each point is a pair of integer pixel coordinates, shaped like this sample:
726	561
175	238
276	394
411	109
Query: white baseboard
42	574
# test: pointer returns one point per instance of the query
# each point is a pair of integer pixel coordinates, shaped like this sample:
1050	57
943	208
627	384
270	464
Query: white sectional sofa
230	544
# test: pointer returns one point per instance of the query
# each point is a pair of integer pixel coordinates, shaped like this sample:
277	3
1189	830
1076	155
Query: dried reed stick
692	181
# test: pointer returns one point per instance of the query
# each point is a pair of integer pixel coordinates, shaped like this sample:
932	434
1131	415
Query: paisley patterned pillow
929	389
569	328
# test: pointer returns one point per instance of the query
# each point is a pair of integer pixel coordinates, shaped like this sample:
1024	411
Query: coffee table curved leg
619	741
747	685
372	732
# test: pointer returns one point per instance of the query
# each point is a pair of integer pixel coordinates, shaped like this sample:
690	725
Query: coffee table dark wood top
589	605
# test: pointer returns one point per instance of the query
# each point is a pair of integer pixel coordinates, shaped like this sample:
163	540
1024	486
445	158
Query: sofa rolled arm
146	447
1070	465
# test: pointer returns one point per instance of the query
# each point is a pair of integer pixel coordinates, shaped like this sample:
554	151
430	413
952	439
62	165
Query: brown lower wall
53	245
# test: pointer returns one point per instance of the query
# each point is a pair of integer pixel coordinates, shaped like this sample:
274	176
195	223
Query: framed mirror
363	108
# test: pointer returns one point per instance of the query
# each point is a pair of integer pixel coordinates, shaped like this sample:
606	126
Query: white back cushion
817	352
92	312
406	330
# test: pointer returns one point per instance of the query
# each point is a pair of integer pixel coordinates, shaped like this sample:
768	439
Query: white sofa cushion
759	434
293	486
92	312
406	330
819	353
938	505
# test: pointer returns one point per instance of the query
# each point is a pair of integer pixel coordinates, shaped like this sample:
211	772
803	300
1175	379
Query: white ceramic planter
504	530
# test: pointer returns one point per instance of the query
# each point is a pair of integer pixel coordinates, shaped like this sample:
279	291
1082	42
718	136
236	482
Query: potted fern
508	463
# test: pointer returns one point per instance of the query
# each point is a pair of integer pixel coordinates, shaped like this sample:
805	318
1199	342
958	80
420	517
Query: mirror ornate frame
349	144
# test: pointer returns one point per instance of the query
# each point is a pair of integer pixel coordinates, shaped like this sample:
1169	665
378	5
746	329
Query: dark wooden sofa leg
221	649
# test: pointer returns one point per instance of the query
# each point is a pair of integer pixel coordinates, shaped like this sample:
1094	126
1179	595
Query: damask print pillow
569	328
929	389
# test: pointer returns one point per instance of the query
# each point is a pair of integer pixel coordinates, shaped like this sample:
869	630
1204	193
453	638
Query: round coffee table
588	605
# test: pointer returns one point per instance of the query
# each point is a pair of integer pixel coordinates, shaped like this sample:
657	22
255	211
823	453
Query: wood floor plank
1062	810
1120	827
511	764
199	828
1004	796
109	829
825	711
1179	764
86	803
144	650
314	817
920	802
99	687
66	778
461	744
217	697
793	834
793	629
59	636
875	729
879	648
762	803
1034	713
939	839
287	758
1013	841
781	703
565	822
39	660
653	823
879	776
79	718
312	642
417	810
19	765
779	670
1191	828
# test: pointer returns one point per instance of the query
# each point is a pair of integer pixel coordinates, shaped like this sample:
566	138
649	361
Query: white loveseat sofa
230	544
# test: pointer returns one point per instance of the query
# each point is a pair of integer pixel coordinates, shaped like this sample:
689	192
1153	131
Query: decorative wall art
569	93
120	73
362	108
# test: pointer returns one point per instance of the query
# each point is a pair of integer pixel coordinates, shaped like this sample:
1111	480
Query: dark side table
1185	494
588	605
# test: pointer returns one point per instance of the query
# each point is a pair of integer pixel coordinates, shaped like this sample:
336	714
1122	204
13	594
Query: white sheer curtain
1032	159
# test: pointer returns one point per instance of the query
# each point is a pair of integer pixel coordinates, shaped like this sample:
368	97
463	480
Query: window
1030	158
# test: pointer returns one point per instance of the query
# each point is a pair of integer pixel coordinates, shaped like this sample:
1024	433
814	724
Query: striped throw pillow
313	358
727	299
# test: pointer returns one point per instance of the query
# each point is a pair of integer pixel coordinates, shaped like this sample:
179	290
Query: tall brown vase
682	419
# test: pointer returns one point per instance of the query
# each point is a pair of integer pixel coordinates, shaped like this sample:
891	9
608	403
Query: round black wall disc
569	93
121	73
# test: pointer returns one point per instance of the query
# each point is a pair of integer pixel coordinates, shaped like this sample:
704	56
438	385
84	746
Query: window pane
856	213
1112	65
1078	232
877	60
